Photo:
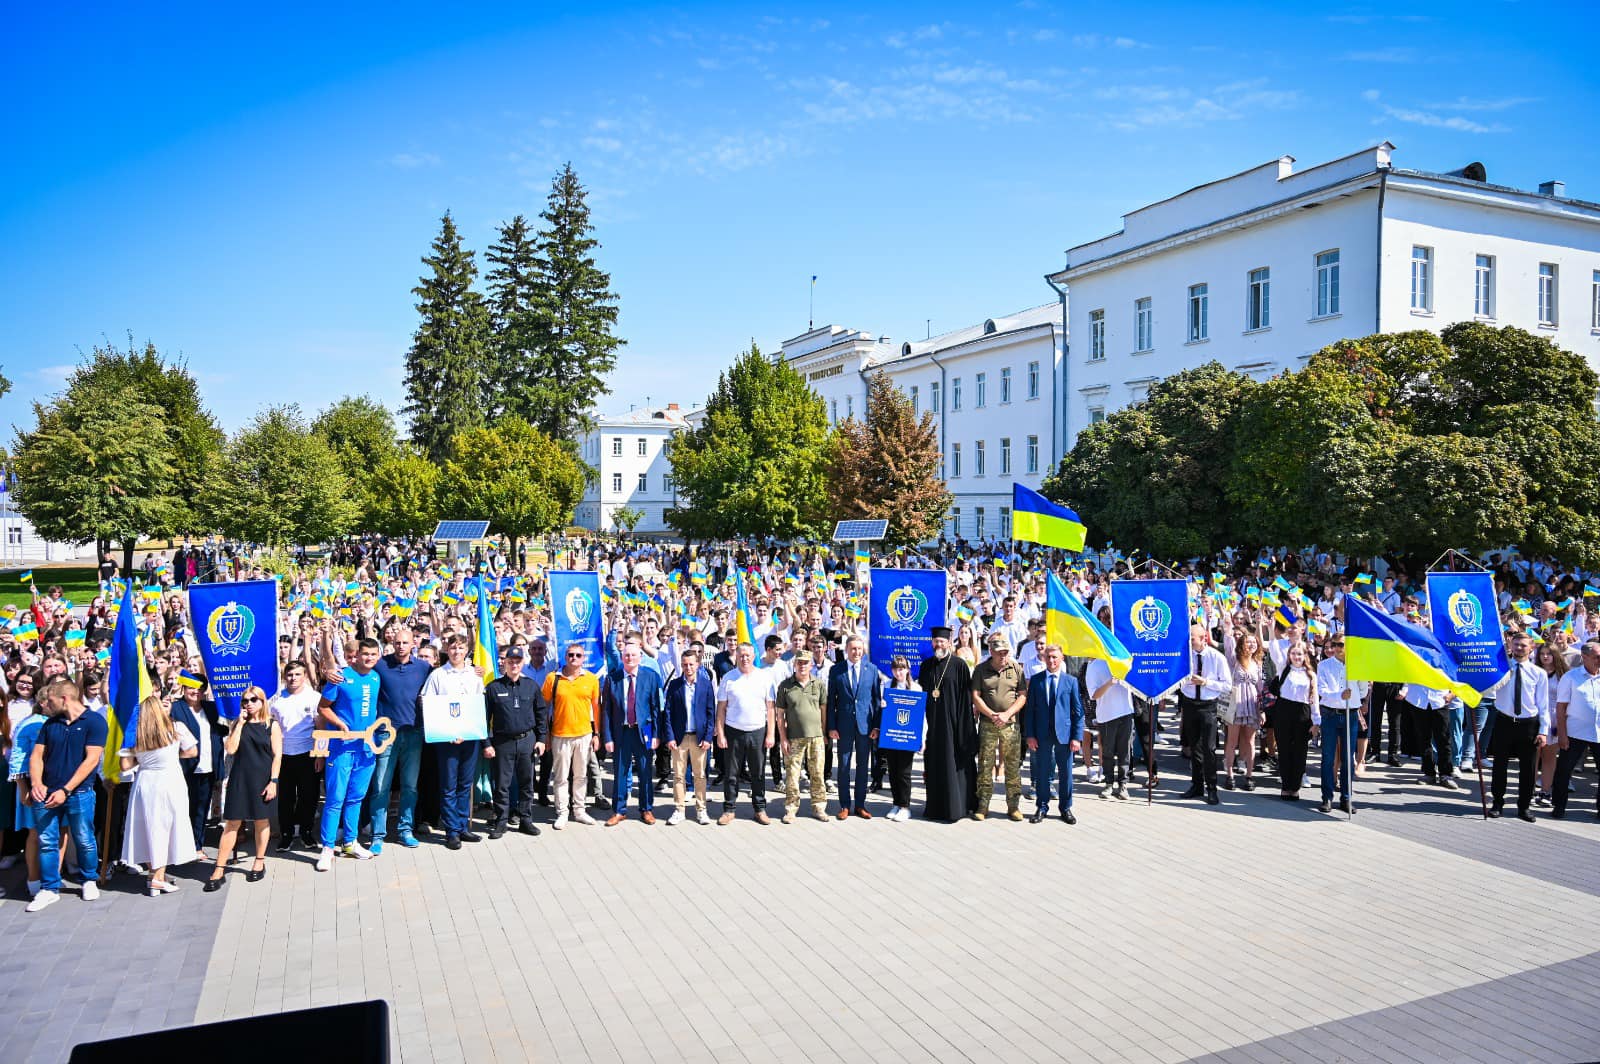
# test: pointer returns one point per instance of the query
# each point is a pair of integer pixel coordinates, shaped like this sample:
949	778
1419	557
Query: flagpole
1453	555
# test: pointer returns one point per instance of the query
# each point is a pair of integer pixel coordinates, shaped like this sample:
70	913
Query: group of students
680	700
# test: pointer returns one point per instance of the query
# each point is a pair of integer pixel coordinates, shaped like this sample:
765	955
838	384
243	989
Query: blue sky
253	193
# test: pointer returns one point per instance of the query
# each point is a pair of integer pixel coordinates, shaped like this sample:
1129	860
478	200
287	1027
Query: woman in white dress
158	831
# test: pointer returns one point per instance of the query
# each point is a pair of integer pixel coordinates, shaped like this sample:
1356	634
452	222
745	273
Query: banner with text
236	626
575	604
903	714
1151	618
904	606
1466	618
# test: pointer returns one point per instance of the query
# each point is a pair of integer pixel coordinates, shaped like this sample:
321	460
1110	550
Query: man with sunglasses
573	695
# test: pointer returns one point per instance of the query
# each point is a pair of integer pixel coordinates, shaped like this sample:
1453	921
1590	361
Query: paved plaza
1254	931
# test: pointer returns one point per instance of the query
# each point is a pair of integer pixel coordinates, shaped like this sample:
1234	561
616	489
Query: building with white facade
632	452
1259	270
994	390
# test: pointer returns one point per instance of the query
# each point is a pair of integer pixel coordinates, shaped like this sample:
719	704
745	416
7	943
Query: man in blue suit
691	722
1052	724
855	705
631	726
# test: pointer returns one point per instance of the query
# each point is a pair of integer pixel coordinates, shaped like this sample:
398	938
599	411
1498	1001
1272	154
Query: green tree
361	433
404	495
756	466
445	368
626	518
512	281
888	467
523	481
99	466
570	330
1151	475
278	483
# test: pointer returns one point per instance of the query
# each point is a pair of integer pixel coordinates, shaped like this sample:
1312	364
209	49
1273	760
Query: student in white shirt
295	709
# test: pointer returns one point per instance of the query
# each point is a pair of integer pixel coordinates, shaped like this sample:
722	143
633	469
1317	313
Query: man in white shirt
746	725
295	710
1113	710
1577	725
1429	725
1209	680
458	759
1341	717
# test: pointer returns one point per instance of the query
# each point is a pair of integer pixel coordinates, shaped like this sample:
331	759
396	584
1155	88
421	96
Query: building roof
668	416
1043	314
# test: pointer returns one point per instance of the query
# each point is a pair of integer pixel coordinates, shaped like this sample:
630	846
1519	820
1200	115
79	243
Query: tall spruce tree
445	368
512	286
574	314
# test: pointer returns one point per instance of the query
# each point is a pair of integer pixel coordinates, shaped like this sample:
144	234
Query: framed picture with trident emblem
446	718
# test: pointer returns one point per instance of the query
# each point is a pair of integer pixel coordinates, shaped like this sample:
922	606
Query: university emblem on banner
906	608
229	628
580	607
1150	618
1466	613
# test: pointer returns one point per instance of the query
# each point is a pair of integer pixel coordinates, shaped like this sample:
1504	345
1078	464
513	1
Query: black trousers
1514	739
775	763
1200	726
898	763
111	847
1432	729
200	785
1116	748
547	764
744	760
513	761
1383	699
1577	752
428	789
298	793
1291	723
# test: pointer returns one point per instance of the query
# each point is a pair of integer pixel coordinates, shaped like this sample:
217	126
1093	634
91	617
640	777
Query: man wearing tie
1340	716
630	726
1052	724
1208	680
1522	698
855	705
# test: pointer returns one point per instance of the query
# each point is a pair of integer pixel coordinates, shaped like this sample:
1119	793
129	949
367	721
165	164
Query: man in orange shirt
574	697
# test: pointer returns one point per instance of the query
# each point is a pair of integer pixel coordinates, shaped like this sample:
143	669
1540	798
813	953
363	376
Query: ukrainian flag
485	644
1068	623
129	685
744	621
1384	648
1035	519
26	577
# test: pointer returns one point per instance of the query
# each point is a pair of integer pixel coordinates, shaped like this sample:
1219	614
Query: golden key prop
320	737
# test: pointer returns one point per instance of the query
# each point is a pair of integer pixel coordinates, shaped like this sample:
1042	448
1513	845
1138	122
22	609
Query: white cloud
1462	103
412	160
52	374
1100	40
1437	121
611	144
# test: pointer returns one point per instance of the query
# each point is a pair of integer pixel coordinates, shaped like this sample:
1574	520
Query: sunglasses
574	656
248	700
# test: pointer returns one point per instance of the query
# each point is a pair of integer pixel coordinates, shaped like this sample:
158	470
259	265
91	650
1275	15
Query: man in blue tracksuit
348	703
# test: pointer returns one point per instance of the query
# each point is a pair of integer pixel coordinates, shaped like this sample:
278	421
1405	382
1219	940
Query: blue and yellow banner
575	605
1466	619
236	626
904	606
1069	624
1035	519
1151	619
128	684
1384	648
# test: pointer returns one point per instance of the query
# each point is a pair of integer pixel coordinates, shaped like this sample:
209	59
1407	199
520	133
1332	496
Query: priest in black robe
950	756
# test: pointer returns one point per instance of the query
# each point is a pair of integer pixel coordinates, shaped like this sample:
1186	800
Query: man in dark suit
631	726
855	706
691	721
1052	725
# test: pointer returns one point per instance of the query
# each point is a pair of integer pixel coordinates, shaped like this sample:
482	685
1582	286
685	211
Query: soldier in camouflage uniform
999	691
800	700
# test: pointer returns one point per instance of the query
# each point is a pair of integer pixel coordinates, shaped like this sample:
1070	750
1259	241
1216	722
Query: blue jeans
1483	715
633	757
1338	727
375	806
407	760
345	780
853	750
78	812
458	771
1046	760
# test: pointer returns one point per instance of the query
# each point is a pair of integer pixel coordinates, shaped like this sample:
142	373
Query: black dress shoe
255	875
452	842
529	827
1227	781
214	884
1036	817
1066	815
471	836
1344	806
1523	814
1192	792
1494	812
497	832
1325	807
1212	799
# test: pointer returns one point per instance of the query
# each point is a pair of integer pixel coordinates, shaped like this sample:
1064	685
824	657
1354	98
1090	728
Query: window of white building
1033	380
933	398
1258	311
644	482
616	482
955	520
1097	335
955	460
955	393
644	447
1097	414
1005	455
916	409
1549	294
1327	269
1421	279
1199	312
833	414
1005	522
1005	384
977	458
977	515
1594	301
849	406
616	446
1144	320
666	484
1033	454
982	391
1483	286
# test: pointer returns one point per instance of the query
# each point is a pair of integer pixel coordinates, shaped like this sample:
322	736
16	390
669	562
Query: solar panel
459	530
861	530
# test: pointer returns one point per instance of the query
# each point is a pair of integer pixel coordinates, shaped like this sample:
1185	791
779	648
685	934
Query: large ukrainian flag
485	644
1383	648
1068	623
744	622
1035	519
129	683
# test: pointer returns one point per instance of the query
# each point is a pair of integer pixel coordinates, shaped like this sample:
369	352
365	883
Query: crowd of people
682	707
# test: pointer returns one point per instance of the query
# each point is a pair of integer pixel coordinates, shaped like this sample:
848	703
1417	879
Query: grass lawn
80	583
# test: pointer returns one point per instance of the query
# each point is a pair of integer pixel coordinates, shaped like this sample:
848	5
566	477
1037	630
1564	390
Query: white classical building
993	388
632	452
1259	270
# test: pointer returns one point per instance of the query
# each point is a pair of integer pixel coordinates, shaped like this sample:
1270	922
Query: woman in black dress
256	744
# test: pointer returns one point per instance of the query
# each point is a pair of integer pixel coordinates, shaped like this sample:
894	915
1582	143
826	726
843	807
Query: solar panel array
861	530
459	530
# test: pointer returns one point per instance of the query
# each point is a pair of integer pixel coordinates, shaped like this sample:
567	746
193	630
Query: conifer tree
445	368
512	288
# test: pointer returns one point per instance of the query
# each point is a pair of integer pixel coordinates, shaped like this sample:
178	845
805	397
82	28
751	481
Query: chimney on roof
672	406
1472	172
1552	188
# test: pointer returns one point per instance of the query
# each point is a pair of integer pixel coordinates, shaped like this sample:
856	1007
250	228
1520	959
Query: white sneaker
559	823
325	859
905	814
675	818
43	900
358	851
582	817
91	890
894	813
1094	775
701	818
